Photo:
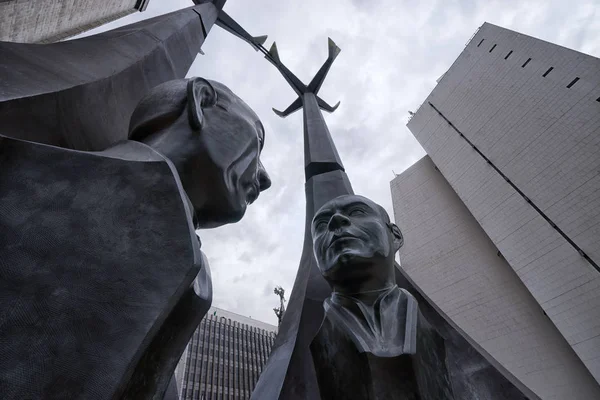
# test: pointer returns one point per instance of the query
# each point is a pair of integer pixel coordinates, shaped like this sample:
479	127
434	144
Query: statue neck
368	297
169	143
164	143
193	211
366	290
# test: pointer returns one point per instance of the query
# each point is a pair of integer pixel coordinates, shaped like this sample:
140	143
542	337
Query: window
547	72
480	42
574	81
492	49
508	55
598	99
526	62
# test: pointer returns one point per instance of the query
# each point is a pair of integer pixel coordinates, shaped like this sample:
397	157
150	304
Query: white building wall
545	138
448	255
40	21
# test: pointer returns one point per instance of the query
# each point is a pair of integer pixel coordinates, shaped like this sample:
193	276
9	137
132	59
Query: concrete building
502	218
40	21
224	357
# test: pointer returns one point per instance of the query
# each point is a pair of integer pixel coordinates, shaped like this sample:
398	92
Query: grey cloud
240	278
268	289
246	257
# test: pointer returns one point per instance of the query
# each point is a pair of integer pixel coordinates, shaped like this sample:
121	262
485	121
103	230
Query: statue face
229	167
351	238
214	140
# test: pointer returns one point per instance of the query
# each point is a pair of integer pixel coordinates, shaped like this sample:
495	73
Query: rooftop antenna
279	291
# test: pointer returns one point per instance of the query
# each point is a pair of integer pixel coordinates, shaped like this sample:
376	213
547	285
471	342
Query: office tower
502	217
224	358
40	21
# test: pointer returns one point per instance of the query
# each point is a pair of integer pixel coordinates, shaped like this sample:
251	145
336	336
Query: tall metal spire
289	372
226	22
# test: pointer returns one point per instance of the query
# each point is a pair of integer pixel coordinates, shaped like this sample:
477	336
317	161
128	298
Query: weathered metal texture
91	282
80	94
320	154
97	287
230	25
346	373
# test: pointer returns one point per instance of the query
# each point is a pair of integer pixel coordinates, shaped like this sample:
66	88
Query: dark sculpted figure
373	343
213	140
102	279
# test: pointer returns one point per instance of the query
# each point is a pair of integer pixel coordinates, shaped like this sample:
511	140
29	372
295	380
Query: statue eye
356	211
260	130
320	225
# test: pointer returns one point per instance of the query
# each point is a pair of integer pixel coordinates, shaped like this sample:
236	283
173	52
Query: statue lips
337	237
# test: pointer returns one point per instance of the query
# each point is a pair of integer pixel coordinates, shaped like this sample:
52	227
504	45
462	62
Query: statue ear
200	95
398	238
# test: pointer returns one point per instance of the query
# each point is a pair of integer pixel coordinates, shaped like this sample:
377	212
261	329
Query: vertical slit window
508	55
492	49
574	81
547	72
526	62
480	42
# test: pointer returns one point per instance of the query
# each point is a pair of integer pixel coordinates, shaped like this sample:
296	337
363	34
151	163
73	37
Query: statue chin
339	266
219	217
226	205
348	256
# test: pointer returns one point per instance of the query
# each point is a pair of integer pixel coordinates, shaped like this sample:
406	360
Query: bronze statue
373	343
201	125
214	140
103	278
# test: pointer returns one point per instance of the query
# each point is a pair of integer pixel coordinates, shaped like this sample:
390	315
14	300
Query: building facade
502	218
224	358
40	21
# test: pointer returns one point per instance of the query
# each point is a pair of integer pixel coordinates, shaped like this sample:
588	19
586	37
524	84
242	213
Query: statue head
355	243
214	140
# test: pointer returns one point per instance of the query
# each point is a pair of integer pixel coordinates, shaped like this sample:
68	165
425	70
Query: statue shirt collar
385	329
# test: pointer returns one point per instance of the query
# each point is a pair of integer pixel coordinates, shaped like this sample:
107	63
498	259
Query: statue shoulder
131	150
406	293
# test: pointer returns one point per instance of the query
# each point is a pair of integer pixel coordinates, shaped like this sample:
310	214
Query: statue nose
338	221
264	181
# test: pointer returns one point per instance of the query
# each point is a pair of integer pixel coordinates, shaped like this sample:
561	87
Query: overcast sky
392	53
